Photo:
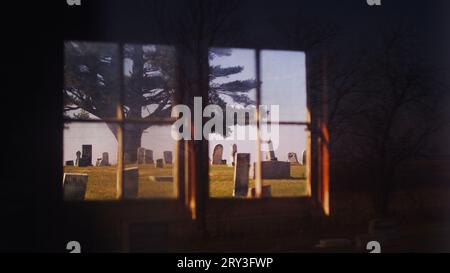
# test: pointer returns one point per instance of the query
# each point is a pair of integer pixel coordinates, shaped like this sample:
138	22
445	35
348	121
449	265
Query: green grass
221	182
102	182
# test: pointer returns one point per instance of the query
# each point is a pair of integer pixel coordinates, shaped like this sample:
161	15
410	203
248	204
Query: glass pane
149	159
90	161
232	77
232	88
284	161
91	80
283	76
150	80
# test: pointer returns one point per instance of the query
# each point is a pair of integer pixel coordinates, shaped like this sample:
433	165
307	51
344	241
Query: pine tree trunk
132	141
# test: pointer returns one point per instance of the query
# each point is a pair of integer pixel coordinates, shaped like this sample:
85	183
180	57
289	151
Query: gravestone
69	163
233	154
266	191
86	155
274	170
292	158
105	159
97	163
74	185
140	155
148	157
270	155
304	158
167	157
241	170
159	163
77	161
217	154
130	183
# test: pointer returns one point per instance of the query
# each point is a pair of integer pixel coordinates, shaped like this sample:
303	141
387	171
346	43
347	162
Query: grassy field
102	182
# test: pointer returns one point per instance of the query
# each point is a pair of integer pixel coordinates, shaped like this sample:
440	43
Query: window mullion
121	129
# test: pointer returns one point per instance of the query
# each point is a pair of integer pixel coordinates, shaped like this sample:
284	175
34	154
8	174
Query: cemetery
149	179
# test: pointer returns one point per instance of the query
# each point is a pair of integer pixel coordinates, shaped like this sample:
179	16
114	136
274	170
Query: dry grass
102	182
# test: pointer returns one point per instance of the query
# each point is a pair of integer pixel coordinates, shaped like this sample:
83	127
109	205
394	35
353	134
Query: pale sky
283	83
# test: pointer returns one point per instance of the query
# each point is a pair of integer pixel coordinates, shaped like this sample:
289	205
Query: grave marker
140	155
69	163
130	183
167	157
74	185
292	158
86	155
148	157
217	155
160	163
241	170
77	161
105	159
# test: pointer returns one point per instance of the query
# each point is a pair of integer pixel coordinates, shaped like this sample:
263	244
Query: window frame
315	170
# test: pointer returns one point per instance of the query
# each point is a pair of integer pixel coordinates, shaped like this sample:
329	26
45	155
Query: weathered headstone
69	163
167	157
159	163
217	154
292	158
140	155
266	191
241	169
74	185
77	161
270	155
105	159
274	170
233	154
304	158
149	157
130	183
86	155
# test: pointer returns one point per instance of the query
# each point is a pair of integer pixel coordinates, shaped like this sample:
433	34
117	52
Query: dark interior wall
30	197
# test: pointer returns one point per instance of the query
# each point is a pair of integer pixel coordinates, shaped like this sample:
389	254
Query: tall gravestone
241	171
77	161
74	185
167	157
148	157
270	155
105	159
217	154
140	155
86	155
130	183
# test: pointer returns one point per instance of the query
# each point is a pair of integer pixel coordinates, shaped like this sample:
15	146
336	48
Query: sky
283	83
